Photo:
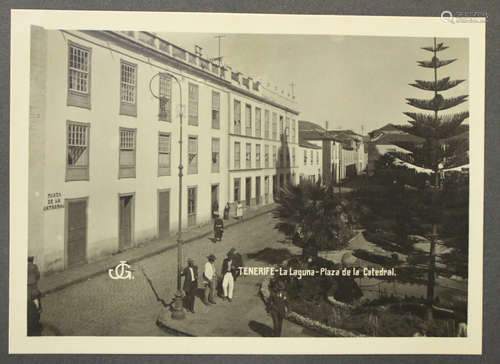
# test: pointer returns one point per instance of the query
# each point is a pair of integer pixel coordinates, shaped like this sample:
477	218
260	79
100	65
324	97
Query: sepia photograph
239	184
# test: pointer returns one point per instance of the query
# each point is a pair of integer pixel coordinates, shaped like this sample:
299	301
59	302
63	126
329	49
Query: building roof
387	128
306	144
387	148
311	131
395	138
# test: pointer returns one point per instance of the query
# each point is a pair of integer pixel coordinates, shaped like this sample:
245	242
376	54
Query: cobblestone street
102	306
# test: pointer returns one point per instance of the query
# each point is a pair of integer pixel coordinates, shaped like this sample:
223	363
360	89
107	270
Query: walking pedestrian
209	277
190	274
277	305
218	227
228	271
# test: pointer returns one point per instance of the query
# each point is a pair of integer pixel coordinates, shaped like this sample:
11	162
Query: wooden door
126	221
257	190
76	232
163	214
248	190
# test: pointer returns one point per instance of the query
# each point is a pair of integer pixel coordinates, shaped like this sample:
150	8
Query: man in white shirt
209	278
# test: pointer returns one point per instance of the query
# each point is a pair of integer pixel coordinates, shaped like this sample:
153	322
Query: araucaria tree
434	126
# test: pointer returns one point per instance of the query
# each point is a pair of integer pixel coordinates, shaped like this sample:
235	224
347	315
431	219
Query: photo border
21	21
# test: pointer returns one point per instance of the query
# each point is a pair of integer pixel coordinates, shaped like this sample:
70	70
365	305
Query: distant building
388	138
104	151
343	151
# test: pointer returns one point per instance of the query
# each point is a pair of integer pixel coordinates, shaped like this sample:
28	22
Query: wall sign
54	201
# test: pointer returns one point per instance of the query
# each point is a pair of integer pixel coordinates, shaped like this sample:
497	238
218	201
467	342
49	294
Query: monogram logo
121	271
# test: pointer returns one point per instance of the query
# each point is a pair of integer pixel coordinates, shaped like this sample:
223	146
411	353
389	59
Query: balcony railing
178	52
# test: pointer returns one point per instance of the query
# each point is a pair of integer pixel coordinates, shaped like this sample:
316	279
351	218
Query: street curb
149	254
170	330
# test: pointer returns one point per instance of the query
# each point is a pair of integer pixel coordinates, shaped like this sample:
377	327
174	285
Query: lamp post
177	305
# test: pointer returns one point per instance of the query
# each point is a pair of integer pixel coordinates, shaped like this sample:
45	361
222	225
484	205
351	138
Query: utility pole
219	37
293	89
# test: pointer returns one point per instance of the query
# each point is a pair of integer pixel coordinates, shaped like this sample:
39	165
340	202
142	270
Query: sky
354	82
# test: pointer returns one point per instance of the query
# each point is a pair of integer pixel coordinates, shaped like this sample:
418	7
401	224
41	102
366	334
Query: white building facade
104	129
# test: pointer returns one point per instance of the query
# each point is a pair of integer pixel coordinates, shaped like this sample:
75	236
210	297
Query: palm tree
313	217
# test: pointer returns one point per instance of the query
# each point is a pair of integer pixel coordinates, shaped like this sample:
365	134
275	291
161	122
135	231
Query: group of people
212	281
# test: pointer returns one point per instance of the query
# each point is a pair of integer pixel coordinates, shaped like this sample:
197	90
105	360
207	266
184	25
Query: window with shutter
77	161
237	155
165	93
164	154
193	105
237	117
78	75
215	110
215	155
192	154
127	153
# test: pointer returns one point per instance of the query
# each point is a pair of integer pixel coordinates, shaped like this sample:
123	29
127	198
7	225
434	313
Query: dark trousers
190	295
277	323
209	290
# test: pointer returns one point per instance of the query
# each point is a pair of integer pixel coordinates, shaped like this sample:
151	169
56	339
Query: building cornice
176	63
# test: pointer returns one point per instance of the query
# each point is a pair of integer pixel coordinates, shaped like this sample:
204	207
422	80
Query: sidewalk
60	280
245	316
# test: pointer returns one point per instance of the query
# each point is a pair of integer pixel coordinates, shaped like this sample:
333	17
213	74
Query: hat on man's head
211	257
190	260
31	258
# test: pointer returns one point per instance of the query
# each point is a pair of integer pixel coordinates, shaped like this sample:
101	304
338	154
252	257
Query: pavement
245	316
87	302
60	280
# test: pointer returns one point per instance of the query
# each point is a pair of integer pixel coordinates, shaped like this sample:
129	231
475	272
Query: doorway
76	232
214	201
248	190
257	190
125	228
163	214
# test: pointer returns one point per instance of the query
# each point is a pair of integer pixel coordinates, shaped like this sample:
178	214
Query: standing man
209	277
237	263
34	301
228	276
218	227
190	286
277	305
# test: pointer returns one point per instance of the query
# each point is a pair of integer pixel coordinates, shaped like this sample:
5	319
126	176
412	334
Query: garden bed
310	306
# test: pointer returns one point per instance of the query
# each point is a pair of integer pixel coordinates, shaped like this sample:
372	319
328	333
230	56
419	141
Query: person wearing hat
34	301
190	274
228	273
209	278
218	227
277	305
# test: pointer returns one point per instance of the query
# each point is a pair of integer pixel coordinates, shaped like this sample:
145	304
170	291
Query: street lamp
177	305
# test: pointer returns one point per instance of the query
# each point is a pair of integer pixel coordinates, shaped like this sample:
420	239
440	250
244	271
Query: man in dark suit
277	305
190	274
